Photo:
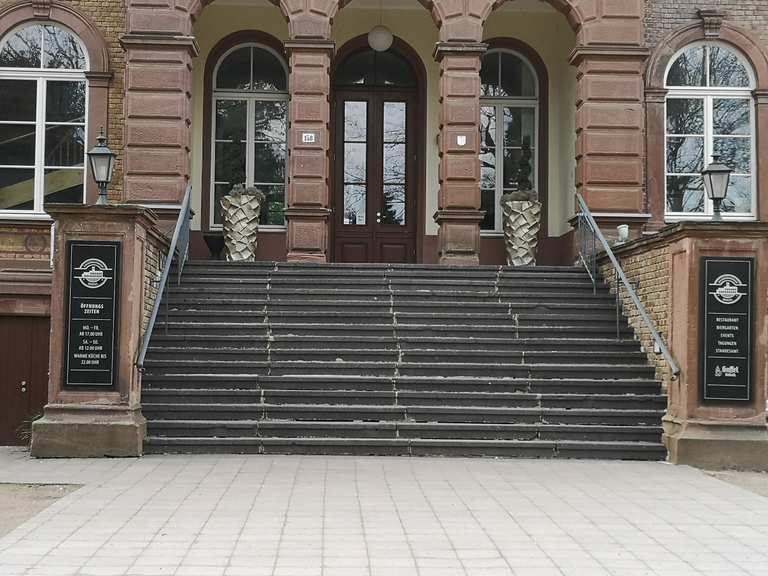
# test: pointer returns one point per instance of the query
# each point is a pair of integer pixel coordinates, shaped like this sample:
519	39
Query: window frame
708	94
42	76
499	103
251	97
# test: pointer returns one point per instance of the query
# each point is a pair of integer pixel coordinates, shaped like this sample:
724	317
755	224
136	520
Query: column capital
313	45
163	41
459	49
608	52
761	97
656	95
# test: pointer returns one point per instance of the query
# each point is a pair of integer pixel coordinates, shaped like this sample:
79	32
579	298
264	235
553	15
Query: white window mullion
39	186
500	150
709	142
250	139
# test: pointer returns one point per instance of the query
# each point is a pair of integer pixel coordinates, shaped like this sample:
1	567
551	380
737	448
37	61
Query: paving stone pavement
346	516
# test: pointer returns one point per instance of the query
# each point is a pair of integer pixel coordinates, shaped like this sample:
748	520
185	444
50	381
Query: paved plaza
338	516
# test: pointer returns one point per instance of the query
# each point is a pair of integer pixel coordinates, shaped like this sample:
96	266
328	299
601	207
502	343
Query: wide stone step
389	341
526	330
404	383
366	413
411	430
348	307
402	398
409	447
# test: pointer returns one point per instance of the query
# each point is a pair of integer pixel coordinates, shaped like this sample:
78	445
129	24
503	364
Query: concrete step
394	430
409	447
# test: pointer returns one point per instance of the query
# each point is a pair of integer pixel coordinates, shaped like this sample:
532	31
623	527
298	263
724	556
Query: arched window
709	112
250	118
43	120
509	110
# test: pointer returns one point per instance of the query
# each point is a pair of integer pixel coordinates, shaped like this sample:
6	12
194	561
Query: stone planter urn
240	212
522	222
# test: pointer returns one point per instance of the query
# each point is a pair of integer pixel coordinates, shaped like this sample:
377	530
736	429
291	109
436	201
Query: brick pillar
95	421
610	128
715	433
158	85
308	209
458	213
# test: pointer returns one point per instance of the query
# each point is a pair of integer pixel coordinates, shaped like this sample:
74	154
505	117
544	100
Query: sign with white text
92	312
727	301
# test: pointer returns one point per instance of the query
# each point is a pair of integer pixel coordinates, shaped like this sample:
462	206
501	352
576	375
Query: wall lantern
716	177
102	161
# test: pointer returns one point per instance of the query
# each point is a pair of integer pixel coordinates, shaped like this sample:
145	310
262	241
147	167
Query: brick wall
23	244
648	267
110	17
155	255
665	16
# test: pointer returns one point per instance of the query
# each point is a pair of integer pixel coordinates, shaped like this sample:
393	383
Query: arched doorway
376	183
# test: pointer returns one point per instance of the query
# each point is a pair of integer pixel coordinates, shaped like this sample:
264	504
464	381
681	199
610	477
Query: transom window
43	104
508	131
709	112
250	129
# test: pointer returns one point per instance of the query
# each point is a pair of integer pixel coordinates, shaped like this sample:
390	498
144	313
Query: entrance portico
168	54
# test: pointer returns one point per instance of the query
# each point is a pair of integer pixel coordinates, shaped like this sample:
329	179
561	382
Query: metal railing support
588	226
179	251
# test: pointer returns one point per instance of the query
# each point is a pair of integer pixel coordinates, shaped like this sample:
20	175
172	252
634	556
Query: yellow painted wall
546	31
216	22
549	33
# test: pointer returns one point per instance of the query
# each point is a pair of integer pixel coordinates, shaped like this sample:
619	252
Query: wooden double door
23	374
375	184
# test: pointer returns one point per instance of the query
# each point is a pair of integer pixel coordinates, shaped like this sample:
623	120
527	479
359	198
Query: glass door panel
229	153
355	167
392	209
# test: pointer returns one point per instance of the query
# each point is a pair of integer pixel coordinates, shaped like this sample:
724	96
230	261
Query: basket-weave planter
522	222
240	214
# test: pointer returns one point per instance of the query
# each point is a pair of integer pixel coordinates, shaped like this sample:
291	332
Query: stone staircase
397	360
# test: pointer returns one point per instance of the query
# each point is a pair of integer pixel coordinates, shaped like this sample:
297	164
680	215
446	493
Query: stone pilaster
308	212
655	185
610	128
458	213
158	85
96	422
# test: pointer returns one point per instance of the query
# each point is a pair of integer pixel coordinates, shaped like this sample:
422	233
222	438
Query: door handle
378	217
23	385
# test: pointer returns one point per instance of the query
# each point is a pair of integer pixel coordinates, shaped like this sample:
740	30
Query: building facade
364	156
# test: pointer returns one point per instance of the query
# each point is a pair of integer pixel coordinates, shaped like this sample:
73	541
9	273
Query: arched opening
709	113
378	182
245	126
527	81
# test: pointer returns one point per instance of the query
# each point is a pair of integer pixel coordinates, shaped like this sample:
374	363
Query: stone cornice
144	40
608	51
315	45
674	232
460	48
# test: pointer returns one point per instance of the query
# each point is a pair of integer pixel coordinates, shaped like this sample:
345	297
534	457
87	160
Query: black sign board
92	313
727	321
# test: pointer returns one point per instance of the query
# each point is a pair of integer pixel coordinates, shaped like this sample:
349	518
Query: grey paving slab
317	516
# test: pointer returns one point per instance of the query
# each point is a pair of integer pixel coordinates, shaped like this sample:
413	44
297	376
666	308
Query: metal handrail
588	255
179	247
